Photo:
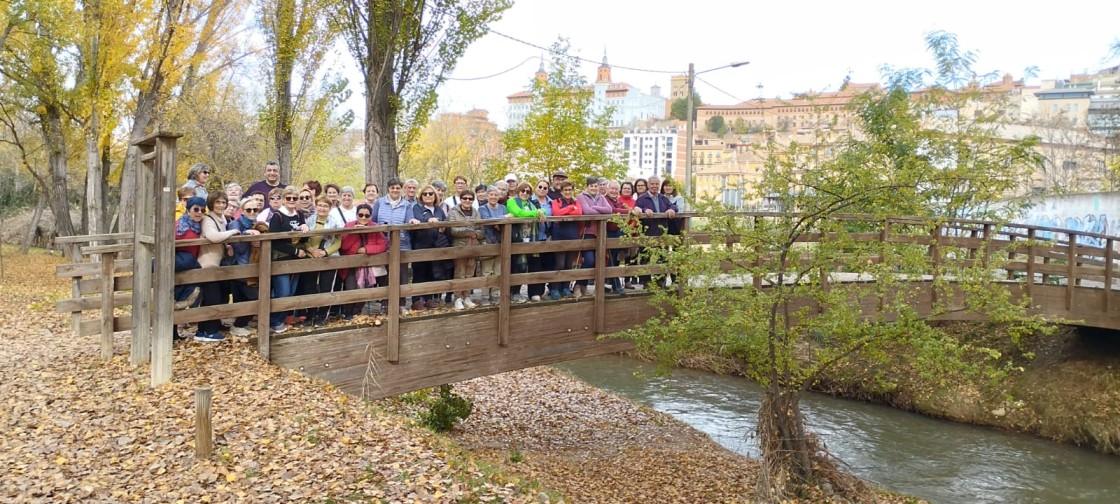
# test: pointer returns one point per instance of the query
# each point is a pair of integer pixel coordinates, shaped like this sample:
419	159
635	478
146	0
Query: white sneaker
535	299
459	304
577	291
518	299
242	332
468	303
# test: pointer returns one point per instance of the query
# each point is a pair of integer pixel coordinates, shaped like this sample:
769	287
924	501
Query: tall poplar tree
405	49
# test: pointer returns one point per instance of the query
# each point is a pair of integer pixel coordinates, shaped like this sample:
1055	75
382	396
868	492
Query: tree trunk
145	104
55	143
95	198
33	227
786	447
382	156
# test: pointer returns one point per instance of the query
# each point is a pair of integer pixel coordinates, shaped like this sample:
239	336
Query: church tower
604	74
541	75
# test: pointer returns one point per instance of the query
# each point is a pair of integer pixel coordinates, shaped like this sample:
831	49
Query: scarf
186	223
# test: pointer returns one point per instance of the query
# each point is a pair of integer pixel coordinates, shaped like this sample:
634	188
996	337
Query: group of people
270	207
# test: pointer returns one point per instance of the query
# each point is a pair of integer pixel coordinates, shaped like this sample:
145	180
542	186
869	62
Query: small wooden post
394	341
884	237
108	259
143	251
503	284
1030	262
987	259
935	255
163	285
264	299
756	276
1071	270
1108	274
599	320
204	430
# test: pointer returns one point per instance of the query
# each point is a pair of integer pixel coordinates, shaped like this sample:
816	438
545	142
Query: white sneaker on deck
459	304
468	303
241	332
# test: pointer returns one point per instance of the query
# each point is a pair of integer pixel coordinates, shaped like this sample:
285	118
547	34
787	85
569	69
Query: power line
530	44
733	97
515	67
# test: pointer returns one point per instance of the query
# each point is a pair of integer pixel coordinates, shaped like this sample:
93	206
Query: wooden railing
1068	259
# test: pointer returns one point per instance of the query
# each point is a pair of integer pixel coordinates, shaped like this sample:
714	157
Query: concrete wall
1088	212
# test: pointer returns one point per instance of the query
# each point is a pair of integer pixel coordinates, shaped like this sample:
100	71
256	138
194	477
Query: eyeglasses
206	172
525	191
290	198
542	187
428	193
468	198
363	215
274	198
305	198
196	209
250	210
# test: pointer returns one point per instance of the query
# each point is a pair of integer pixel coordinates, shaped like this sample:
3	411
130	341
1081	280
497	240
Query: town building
651	148
629	103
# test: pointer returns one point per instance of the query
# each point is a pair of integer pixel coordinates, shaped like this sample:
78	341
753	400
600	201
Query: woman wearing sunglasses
286	219
274	199
464	233
522	206
365	243
427	209
242	254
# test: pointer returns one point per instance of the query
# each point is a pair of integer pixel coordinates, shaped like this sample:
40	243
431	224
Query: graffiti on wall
1088	213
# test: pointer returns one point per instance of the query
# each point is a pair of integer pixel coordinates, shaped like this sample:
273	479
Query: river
940	461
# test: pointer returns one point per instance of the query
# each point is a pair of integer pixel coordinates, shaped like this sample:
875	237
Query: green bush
446	410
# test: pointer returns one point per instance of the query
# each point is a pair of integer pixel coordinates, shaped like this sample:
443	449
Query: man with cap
511	181
557	178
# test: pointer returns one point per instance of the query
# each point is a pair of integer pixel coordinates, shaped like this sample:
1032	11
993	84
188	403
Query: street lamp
692	73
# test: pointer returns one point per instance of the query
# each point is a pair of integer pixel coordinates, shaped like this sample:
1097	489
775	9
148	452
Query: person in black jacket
286	219
428	209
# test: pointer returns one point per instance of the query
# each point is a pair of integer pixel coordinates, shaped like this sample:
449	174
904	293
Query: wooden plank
107	260
141	279
97	302
90	269
93	285
79	239
600	313
394	341
115	248
264	300
504	285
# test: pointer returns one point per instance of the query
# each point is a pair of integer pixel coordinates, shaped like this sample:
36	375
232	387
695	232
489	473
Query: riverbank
1064	387
79	430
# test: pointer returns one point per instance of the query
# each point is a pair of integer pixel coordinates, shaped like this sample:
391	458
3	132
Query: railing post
264	299
504	283
393	350
600	318
987	259
935	255
108	259
884	236
1108	274
143	250
1030	262
756	277
1071	269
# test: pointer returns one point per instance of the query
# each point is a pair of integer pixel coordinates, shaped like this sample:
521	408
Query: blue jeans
282	286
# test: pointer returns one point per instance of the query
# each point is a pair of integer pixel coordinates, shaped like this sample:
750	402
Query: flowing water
940	461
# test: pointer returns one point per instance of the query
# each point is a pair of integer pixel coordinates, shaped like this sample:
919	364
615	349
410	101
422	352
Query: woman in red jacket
364	243
565	205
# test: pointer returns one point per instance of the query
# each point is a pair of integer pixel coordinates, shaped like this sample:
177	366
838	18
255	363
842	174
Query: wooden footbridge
1070	275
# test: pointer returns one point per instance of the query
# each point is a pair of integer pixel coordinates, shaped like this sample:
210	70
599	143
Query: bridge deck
1064	278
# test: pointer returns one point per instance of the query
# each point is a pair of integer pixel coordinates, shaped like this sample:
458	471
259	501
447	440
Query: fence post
264	300
1030	262
1071	269
1108	274
600	318
108	260
204	430
756	278
394	336
935	255
504	283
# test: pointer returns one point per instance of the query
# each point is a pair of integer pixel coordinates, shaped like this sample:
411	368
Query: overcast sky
792	46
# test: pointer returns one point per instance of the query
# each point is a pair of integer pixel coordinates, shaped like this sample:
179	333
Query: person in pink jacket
592	203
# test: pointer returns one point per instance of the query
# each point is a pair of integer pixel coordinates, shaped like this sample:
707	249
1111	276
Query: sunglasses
196	210
542	187
468	198
428	193
250	210
525	191
274	198
305	198
206	172
363	215
290	198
